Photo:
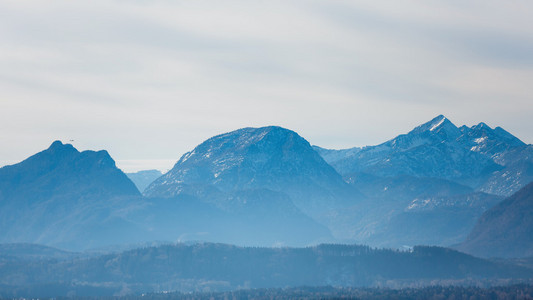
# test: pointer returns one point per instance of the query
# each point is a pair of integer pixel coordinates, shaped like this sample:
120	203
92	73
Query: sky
149	80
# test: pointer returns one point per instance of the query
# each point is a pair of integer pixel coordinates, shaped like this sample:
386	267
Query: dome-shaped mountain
271	158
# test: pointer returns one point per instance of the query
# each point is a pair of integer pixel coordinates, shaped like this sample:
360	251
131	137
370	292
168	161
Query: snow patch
480	140
435	126
187	156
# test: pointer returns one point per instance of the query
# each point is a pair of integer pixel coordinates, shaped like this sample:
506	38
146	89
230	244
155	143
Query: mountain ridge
475	156
216	266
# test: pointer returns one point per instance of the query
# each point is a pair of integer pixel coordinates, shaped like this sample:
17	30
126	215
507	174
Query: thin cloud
149	80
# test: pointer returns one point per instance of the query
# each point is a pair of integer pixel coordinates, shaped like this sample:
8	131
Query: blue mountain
477	156
269	158
79	200
268	171
64	197
430	185
142	179
62	168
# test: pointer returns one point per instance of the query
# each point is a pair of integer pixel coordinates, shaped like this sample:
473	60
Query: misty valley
262	213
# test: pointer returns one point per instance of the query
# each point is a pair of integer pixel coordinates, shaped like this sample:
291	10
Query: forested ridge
221	267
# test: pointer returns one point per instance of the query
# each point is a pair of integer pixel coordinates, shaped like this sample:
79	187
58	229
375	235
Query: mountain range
479	157
268	186
430	185
80	200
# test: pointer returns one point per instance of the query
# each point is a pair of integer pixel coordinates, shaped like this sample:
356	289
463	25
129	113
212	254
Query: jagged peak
481	126
59	145
63	151
58	148
497	133
436	124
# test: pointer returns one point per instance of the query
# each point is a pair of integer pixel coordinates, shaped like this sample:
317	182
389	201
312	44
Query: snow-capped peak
439	126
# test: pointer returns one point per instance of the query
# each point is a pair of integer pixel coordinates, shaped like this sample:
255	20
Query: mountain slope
518	171
408	210
506	230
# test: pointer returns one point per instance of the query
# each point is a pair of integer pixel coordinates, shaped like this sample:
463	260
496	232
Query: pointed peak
436	123
439	118
481	126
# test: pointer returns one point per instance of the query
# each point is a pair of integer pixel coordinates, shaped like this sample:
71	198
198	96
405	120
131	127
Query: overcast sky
149	80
